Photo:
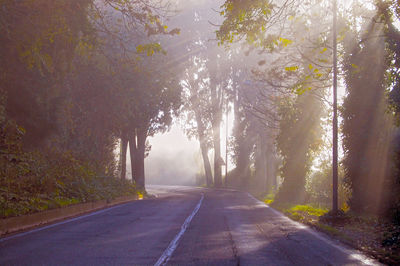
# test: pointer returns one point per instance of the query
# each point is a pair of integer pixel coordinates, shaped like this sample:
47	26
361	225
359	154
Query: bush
46	179
319	188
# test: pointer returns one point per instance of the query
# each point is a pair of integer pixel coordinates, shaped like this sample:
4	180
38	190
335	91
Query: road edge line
174	243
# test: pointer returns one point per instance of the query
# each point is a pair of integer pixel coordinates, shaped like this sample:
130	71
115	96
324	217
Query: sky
175	160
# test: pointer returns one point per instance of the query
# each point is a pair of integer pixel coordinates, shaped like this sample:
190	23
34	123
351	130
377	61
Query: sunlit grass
269	199
309	210
303	213
140	195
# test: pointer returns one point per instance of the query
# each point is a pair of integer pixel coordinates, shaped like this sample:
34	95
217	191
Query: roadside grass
141	194
18	200
28	204
375	237
304	213
268	199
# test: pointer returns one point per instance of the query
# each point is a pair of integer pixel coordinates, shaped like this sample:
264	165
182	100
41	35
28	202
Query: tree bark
272	162
140	154
216	97
204	149
206	162
217	152
260	164
122	157
242	171
133	152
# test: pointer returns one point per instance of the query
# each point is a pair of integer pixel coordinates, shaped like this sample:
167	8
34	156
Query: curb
20	223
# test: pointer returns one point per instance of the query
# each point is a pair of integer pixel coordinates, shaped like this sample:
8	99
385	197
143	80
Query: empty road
181	226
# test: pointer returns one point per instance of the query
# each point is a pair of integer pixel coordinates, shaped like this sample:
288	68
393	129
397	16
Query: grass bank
375	237
31	182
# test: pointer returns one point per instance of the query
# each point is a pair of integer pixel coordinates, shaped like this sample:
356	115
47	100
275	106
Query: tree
38	43
366	127
295	69
218	82
205	82
390	13
254	134
196	96
298	140
158	100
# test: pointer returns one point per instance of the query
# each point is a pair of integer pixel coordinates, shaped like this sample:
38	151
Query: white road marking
352	253
60	223
174	243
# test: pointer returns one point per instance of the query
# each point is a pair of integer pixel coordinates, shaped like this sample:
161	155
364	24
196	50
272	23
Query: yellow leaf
285	42
291	68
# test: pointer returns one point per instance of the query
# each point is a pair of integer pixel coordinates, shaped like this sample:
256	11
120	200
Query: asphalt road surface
181	226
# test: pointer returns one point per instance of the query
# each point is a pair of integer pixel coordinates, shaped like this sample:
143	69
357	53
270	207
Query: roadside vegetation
36	181
72	76
373	235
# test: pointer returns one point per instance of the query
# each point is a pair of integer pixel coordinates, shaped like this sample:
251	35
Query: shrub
39	180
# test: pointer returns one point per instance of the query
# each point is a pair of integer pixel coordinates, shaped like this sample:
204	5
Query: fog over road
229	228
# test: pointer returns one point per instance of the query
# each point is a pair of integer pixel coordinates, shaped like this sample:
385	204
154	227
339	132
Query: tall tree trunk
236	109
217	151
141	149
216	96
260	164
204	149
272	165
206	162
122	156
242	171
133	152
271	179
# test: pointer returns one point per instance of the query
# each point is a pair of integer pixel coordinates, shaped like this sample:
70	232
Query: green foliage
319	187
389	12
244	19
34	181
150	49
69	87
38	46
366	127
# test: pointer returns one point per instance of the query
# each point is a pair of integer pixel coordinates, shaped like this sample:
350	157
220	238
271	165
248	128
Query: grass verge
377	238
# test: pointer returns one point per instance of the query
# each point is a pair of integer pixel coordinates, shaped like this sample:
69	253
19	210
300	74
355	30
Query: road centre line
174	243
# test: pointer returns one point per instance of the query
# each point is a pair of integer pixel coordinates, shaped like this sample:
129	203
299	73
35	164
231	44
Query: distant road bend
181	226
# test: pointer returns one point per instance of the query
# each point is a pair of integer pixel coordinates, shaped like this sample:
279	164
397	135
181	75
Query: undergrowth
39	180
